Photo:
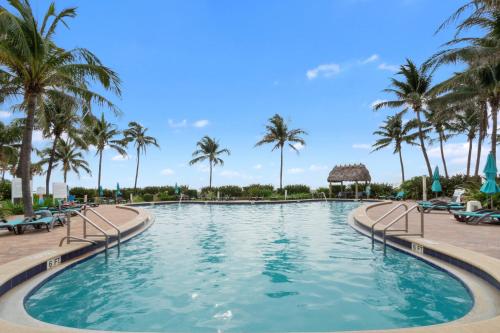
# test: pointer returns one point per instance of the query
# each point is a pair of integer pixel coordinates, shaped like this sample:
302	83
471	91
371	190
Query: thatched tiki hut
349	173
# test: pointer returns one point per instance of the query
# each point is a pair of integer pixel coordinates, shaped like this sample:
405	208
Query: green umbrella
177	189
436	185
118	192
101	192
490	171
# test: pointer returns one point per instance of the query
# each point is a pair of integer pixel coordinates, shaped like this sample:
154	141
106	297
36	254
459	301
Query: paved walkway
13	247
442	227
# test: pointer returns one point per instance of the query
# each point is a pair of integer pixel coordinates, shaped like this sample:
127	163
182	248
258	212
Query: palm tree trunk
3	175
483	123
494	123
441	147
281	168
210	183
65	176
99	175
136	170
422	143
25	154
469	155
49	167
402	166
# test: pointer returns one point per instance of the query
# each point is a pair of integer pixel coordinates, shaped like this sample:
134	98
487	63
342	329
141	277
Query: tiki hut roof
349	173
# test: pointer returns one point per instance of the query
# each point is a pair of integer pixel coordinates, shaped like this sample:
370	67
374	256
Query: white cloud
179	124
456	153
325	70
5	114
298	146
230	174
372	58
387	67
201	123
377	101
167	172
316	167
361	146
294	171
120	157
38	137
257	166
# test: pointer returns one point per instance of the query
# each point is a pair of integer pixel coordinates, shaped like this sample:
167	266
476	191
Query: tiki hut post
330	190
349	173
356	191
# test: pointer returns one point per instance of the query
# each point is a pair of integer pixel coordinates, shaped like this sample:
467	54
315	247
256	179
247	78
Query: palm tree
137	134
209	149
277	133
102	134
69	156
59	117
413	91
439	118
10	137
468	122
32	66
394	131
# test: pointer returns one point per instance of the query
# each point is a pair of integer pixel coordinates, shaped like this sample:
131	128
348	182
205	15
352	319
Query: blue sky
222	68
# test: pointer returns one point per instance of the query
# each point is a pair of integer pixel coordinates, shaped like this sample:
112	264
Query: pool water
259	268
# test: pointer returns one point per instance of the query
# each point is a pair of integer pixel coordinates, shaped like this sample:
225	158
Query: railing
387	214
70	238
405	214
108	222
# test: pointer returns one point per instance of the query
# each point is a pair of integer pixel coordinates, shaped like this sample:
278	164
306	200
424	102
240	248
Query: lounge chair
479	216
43	218
436	204
11	225
397	196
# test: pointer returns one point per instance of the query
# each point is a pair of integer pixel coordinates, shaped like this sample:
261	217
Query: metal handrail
119	233
384	216
421	234
86	220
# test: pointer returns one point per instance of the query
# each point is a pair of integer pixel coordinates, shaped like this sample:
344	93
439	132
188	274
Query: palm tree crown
32	66
209	149
414	92
137	133
277	133
102	134
395	132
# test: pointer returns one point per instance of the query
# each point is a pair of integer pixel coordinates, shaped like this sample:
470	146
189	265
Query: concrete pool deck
461	244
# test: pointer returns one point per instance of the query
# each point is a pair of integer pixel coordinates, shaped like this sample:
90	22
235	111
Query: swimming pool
250	268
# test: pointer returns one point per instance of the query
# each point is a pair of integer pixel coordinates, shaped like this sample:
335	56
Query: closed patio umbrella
101	192
436	184
490	186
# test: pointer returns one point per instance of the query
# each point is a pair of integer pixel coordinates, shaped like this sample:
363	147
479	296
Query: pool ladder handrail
385	230
380	219
86	220
107	221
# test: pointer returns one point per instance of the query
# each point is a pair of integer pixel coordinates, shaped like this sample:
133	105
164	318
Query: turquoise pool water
269	268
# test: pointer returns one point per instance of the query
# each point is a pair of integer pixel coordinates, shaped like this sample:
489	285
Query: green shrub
413	187
298	188
148	197
258	190
230	191
5	190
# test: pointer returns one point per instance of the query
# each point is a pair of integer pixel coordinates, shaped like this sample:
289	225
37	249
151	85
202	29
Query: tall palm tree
277	133
413	91
32	66
69	156
468	122
439	118
137	133
59	116
395	132
209	149
102	134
